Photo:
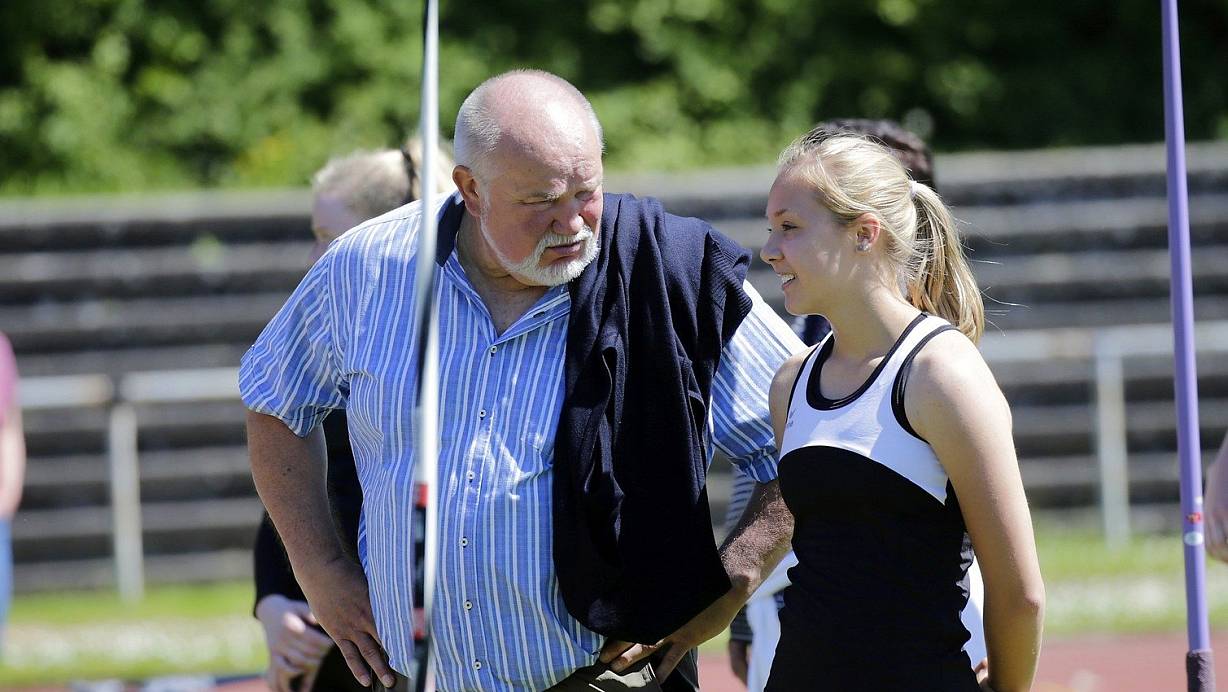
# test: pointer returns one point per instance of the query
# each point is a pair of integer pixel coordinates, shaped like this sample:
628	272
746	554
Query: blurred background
154	214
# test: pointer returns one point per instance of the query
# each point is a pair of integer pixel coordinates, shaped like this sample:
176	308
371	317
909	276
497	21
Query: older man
593	350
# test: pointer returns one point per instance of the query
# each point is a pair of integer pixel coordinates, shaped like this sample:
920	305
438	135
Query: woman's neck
867	325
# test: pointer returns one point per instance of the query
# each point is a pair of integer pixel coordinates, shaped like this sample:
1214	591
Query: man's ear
469	188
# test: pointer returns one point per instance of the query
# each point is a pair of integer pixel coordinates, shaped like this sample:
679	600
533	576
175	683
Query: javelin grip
1200	671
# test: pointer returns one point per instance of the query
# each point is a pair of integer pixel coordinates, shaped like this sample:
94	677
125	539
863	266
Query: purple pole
1200	674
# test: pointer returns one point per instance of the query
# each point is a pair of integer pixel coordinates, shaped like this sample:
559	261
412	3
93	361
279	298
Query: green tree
99	95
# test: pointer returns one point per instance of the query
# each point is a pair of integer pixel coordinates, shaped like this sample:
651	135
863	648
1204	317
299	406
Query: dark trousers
333	676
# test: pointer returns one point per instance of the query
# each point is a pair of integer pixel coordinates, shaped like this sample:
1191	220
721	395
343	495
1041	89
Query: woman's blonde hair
853	176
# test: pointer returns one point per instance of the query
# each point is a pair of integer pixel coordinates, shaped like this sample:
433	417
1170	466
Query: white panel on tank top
867	425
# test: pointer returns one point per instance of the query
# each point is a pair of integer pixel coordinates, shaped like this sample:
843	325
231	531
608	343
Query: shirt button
464	542
470	475
468	605
482	413
477	665
493	349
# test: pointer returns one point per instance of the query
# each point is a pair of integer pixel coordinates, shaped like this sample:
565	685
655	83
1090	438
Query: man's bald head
524	109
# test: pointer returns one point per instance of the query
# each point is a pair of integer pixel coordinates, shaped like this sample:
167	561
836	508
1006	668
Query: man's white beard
529	269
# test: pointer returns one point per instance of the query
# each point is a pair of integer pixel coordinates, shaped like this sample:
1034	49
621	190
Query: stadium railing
1107	349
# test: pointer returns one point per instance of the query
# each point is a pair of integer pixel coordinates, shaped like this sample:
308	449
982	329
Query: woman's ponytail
942	282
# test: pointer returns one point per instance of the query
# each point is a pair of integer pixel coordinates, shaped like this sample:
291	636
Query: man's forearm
290	474
759	540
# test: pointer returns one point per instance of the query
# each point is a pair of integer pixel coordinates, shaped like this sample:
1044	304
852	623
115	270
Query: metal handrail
123	463
1108	348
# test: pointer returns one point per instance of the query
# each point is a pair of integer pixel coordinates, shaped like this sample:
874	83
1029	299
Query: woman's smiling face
808	247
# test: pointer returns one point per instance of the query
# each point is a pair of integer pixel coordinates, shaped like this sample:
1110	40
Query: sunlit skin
807	246
544	176
823	272
330	218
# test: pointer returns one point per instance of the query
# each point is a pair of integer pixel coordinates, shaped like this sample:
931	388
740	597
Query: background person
754	634
896	447
12	473
345	192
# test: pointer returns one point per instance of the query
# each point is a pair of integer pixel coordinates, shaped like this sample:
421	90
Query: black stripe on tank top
797	378
814	393
901	380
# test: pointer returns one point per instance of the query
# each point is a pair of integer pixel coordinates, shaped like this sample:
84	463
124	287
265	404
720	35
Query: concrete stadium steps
168	527
990	178
162	426
1067	428
1099	274
129	358
55	224
82	479
1073	480
197	268
1064	226
90	323
99	572
1067	239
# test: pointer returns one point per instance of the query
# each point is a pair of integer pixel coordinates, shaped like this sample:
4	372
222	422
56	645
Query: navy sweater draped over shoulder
633	543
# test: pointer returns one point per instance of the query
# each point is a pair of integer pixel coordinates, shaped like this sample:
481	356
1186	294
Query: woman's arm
954	403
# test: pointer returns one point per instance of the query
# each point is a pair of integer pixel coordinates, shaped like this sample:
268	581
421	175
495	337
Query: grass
55	638
1140	588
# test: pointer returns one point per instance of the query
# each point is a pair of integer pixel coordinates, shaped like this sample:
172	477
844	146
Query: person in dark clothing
346	191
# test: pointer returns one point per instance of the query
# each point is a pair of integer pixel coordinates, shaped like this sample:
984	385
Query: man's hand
709	623
337	590
289	472
739	658
295	647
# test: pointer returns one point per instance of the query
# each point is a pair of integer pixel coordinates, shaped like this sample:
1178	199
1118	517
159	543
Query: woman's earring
863	245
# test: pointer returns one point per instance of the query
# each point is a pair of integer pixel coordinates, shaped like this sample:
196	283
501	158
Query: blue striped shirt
345	338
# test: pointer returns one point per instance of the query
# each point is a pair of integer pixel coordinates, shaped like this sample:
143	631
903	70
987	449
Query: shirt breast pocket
536	453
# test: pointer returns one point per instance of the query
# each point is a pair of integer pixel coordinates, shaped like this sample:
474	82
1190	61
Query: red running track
1137	663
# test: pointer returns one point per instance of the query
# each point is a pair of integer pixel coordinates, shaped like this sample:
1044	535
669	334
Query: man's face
538	208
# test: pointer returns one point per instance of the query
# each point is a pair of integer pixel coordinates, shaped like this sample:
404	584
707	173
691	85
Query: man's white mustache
553	239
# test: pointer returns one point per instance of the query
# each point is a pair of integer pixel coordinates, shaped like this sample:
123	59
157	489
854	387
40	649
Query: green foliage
99	95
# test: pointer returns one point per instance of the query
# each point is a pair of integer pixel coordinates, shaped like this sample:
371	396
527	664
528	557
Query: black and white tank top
881	544
871	421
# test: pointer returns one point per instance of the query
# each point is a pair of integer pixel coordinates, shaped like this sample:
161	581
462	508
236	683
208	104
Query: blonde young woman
895	441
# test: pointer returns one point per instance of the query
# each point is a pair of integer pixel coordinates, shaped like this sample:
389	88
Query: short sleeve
741	421
293	371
